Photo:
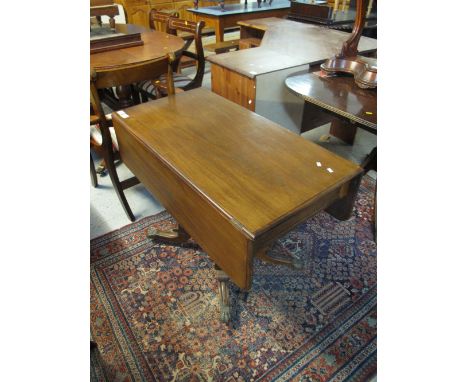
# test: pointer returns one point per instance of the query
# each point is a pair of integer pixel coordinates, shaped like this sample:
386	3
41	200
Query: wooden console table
254	78
233	180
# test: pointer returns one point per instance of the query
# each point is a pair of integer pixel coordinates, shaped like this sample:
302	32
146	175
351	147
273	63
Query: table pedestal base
223	294
277	258
176	235
180	236
340	209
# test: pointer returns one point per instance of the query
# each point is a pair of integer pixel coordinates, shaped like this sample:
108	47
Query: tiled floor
107	213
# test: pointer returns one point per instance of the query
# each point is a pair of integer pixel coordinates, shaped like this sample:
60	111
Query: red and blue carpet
155	317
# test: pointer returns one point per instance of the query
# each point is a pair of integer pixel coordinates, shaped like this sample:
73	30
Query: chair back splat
158	20
195	35
191	32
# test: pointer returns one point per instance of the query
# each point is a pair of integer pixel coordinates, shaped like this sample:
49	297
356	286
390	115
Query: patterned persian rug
155	316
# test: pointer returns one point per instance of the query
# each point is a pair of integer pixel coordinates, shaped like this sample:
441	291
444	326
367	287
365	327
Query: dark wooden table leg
343	130
370	162
94	180
313	117
112	22
277	258
219	30
342	209
223	292
125	96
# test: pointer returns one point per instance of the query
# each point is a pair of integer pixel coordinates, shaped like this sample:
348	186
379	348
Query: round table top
340	95
155	44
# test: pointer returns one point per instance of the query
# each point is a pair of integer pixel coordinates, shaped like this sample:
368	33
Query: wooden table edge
284	218
323	105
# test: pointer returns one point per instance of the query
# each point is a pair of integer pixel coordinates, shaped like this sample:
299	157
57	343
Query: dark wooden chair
191	32
122	76
94	120
96	146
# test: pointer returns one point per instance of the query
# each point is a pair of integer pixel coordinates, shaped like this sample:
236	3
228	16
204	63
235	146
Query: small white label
319	164
122	114
329	170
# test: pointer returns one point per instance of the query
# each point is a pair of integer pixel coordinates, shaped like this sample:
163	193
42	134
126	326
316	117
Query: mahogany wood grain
233	86
233	179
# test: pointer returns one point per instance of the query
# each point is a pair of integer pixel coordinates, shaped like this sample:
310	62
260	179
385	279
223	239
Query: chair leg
94	180
135	96
118	187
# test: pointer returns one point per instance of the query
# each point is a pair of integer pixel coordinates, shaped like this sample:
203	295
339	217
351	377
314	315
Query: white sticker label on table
122	114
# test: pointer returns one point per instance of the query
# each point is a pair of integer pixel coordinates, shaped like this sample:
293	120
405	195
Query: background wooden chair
158	19
192	34
122	76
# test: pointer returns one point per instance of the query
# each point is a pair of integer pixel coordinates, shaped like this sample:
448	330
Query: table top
155	44
286	44
339	95
250	169
235	9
